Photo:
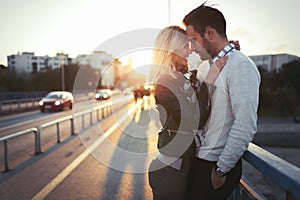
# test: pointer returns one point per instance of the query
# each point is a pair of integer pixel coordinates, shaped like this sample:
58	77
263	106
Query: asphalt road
106	161
79	169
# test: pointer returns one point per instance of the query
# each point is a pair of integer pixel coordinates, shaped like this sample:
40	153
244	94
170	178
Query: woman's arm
215	69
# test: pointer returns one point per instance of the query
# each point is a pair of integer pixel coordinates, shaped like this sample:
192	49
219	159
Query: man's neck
219	46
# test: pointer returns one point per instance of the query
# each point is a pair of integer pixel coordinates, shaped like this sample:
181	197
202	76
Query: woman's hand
215	69
236	44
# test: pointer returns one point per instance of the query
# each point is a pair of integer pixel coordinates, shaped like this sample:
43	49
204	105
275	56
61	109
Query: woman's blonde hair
168	41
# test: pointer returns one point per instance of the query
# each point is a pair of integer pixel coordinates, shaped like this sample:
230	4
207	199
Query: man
217	167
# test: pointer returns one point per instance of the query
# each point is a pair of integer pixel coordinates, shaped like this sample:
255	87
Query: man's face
199	44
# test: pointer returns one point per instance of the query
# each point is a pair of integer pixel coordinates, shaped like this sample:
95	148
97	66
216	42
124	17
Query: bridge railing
5	140
17	105
101	111
278	171
25	104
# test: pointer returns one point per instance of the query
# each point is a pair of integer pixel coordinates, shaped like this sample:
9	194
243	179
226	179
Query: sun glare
140	60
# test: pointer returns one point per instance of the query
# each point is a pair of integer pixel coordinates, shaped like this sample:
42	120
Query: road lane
60	177
21	148
99	179
39	174
14	123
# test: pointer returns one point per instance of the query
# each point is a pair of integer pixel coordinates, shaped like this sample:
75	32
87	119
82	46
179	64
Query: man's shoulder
239	56
240	59
240	63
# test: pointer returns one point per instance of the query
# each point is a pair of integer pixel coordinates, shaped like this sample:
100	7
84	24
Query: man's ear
209	33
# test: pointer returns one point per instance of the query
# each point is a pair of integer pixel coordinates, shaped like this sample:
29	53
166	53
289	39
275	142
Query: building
102	61
57	61
106	65
27	62
273	62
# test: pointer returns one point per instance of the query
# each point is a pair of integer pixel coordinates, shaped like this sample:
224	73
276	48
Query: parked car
57	100
103	94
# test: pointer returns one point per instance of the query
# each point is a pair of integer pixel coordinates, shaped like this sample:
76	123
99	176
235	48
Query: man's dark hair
204	16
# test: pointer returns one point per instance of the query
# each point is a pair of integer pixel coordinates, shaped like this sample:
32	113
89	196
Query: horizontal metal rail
5	140
105	110
17	105
55	122
279	171
245	191
8	106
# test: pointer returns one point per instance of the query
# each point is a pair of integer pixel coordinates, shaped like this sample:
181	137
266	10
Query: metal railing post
82	118
72	126
91	118
97	114
6	167
57	132
38	140
37	151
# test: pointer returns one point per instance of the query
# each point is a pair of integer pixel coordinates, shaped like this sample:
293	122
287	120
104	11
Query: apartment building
102	61
273	62
28	62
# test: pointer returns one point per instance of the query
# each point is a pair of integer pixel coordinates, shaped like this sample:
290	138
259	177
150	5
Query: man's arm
243	84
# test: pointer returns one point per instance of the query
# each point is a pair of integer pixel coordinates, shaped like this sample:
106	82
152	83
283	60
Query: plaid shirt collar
226	50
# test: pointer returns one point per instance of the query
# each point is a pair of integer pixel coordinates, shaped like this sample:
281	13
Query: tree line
47	80
279	91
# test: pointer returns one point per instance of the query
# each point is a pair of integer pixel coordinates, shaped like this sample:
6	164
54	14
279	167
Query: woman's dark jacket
179	114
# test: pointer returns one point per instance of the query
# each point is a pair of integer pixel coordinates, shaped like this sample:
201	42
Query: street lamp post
62	73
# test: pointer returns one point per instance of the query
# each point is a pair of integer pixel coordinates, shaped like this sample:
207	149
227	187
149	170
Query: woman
178	110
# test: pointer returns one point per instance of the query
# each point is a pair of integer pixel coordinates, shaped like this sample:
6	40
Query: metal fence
100	111
278	171
26	104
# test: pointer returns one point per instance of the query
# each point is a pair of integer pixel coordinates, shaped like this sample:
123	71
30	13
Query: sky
47	27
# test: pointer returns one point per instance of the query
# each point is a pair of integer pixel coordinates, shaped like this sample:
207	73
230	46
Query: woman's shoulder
170	78
170	82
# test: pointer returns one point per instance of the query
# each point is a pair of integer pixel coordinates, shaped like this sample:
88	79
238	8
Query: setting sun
140	60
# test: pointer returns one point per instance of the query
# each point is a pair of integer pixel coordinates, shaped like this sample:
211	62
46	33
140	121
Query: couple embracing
209	118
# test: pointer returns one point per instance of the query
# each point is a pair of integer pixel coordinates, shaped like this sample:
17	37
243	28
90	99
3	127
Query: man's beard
204	50
203	54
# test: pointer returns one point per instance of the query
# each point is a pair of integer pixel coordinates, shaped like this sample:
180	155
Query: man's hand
216	181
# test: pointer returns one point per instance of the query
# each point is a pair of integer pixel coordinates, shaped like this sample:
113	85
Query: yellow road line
61	176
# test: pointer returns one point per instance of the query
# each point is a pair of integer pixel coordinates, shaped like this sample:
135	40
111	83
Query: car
142	90
57	100
103	94
127	91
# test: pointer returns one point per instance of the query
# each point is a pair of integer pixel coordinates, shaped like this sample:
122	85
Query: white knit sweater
233	120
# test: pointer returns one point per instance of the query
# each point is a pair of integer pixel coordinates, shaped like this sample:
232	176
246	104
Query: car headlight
57	103
41	103
105	95
97	96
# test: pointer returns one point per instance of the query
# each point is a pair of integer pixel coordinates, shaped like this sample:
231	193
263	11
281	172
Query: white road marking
61	176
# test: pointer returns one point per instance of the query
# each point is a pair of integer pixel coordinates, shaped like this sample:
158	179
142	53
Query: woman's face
180	58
